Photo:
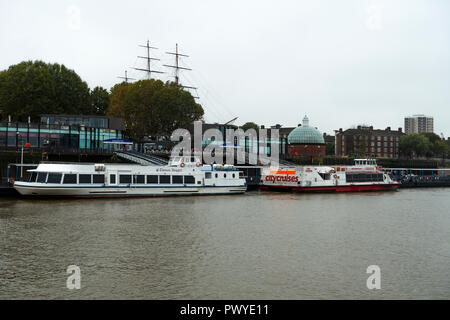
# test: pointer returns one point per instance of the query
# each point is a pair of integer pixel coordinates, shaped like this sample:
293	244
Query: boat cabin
365	162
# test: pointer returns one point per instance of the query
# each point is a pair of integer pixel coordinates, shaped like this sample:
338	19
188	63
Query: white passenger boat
364	175
182	176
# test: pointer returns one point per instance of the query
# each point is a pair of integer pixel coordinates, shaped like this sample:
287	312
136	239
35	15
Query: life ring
182	165
199	164
335	176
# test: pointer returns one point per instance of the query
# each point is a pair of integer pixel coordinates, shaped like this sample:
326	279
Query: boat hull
105	192
342	188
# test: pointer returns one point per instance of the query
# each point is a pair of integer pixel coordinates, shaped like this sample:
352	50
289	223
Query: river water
260	245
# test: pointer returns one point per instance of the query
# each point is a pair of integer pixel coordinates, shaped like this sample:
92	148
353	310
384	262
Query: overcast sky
342	63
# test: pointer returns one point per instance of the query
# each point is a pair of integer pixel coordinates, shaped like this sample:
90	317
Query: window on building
207	175
85	178
152	179
125	178
112	179
54	178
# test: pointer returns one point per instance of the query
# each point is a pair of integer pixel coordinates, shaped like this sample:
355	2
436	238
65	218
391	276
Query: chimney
340	130
388	129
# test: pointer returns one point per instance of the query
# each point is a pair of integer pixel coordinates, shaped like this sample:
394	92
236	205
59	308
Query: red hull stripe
350	188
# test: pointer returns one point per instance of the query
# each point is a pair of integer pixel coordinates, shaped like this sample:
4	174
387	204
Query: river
260	245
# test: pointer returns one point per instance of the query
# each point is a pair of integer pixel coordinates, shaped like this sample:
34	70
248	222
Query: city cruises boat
182	176
364	175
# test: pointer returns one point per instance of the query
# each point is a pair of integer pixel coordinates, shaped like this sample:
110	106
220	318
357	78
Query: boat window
139	179
189	180
54	178
42	177
112	179
234	176
217	175
224	175
207	175
177	179
70	179
152	179
85	178
164	179
33	177
99	178
325	176
125	178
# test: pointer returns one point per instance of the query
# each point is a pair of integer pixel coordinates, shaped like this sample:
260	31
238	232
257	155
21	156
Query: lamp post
21	157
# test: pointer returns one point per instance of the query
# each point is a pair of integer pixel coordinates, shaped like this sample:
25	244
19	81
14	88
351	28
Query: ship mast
178	68
126	78
149	59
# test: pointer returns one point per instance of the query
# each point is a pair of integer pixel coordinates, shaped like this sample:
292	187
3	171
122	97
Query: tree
32	88
174	108
250	125
415	145
151	107
99	101
441	148
329	148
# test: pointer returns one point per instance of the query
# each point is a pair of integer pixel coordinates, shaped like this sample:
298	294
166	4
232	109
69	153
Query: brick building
306	141
368	142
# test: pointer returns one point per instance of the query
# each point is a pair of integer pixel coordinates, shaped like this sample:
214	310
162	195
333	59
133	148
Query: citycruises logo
282	178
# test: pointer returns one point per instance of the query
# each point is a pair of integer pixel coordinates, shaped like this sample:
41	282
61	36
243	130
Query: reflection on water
252	246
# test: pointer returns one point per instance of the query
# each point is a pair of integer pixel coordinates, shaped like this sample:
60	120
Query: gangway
141	158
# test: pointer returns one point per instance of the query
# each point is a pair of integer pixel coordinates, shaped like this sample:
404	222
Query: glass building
64	133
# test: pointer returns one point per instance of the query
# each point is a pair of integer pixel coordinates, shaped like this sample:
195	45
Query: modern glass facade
53	134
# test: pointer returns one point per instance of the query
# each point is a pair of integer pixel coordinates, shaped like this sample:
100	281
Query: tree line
423	145
148	107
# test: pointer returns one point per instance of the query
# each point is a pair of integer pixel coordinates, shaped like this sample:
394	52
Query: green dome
305	134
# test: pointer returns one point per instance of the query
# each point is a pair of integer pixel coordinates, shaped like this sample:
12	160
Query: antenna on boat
178	68
126	77
149	59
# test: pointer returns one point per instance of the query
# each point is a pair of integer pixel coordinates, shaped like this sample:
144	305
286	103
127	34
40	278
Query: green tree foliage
250	125
424	144
99	101
330	149
33	88
151	107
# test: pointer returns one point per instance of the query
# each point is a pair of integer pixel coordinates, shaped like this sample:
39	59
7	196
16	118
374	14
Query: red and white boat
364	175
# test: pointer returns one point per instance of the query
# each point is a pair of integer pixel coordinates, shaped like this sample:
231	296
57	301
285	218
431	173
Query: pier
421	177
